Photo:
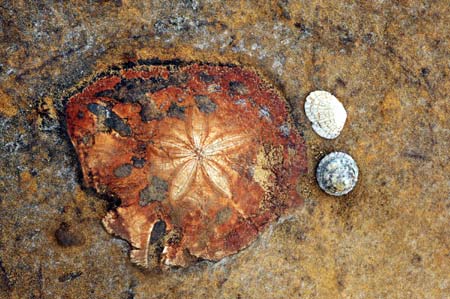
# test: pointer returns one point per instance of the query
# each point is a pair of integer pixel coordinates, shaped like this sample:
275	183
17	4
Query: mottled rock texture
387	61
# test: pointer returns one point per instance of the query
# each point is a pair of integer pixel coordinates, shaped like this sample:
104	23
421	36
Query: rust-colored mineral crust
201	156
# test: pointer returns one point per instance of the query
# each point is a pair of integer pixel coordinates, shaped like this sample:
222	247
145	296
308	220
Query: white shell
326	113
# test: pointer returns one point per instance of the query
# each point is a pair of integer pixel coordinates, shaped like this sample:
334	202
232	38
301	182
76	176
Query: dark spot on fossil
205	104
109	119
135	90
98	110
250	172
212	88
117	124
138	162
284	130
237	87
80	115
174	236
67	236
127	91
241	102
176	111
112	202
150	112
223	215
69	276
232	238
141	148
87	140
156	241
158	83
156	190
205	77
178	78
264	113
158	231
123	170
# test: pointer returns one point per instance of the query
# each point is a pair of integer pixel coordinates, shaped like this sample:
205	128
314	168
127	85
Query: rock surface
387	61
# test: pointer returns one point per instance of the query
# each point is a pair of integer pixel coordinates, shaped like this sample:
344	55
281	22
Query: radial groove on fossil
201	156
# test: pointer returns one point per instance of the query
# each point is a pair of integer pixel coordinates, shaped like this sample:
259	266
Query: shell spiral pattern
337	173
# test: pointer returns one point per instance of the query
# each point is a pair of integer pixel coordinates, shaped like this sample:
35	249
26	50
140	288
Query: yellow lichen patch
6	106
264	163
391	105
190	54
80	196
28	182
47	108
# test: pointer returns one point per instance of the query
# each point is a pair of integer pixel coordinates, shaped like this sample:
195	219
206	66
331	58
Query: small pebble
67	236
337	173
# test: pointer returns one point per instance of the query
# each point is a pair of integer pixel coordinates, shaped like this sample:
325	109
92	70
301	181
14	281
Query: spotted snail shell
326	113
337	173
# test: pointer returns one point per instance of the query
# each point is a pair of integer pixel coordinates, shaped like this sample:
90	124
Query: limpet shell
337	173
326	113
203	157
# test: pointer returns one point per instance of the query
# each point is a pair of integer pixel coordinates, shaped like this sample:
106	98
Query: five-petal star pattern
195	152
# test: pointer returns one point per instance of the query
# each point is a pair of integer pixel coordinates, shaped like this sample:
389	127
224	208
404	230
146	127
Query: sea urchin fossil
201	156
